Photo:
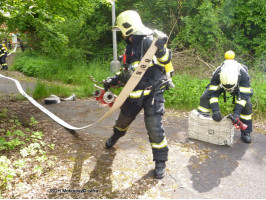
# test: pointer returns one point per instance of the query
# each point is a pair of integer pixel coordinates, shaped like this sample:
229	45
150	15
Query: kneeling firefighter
148	94
231	77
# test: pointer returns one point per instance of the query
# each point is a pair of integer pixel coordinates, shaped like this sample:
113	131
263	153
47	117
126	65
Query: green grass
62	70
72	77
186	95
187	92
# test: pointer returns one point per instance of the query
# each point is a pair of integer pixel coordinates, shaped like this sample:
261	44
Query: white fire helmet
129	22
229	75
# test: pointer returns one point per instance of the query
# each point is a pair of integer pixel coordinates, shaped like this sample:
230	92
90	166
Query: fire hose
128	88
14	50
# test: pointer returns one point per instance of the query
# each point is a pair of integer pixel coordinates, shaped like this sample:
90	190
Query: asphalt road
195	169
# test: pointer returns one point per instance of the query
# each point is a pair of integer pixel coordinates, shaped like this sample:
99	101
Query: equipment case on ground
207	130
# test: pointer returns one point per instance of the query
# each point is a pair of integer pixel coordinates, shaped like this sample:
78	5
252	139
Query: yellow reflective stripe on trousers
213	87
121	129
214	100
245	89
137	94
202	109
241	102
159	145
246	117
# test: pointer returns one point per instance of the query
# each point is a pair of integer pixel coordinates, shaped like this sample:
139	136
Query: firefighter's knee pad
247	110
159	104
155	128
155	105
204	97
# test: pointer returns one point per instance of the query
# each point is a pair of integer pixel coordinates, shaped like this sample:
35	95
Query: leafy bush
186	94
59	69
29	153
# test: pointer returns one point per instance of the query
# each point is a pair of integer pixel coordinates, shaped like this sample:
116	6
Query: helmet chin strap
229	89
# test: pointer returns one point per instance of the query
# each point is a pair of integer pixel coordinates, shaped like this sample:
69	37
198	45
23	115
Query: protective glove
171	84
160	43
236	115
216	116
107	83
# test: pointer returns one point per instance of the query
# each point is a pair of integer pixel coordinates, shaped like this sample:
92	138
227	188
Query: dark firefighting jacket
133	55
3	50
243	90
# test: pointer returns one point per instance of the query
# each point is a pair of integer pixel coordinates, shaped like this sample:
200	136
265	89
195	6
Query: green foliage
202	31
33	121
40	91
186	94
32	158
213	27
250	16
52	26
3	112
60	70
81	30
6	172
258	85
154	13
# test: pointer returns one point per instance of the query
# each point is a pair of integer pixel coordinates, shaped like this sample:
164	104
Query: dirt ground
85	169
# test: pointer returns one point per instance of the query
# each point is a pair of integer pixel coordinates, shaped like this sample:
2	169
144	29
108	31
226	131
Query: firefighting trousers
245	115
3	61
153	106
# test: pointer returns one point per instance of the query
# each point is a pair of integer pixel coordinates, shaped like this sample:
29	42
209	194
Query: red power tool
237	123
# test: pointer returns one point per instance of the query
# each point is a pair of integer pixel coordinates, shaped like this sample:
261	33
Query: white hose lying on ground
47	112
128	88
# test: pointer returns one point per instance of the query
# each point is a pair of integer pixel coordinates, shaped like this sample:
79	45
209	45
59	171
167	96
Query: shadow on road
100	182
221	162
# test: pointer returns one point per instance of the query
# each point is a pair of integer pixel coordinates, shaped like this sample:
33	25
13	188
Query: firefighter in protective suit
3	55
148	94
231	77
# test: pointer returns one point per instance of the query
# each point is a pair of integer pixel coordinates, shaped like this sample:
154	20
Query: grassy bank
186	95
73	78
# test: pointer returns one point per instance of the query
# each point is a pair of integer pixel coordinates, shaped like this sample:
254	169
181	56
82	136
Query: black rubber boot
159	171
113	139
111	142
4	67
246	137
